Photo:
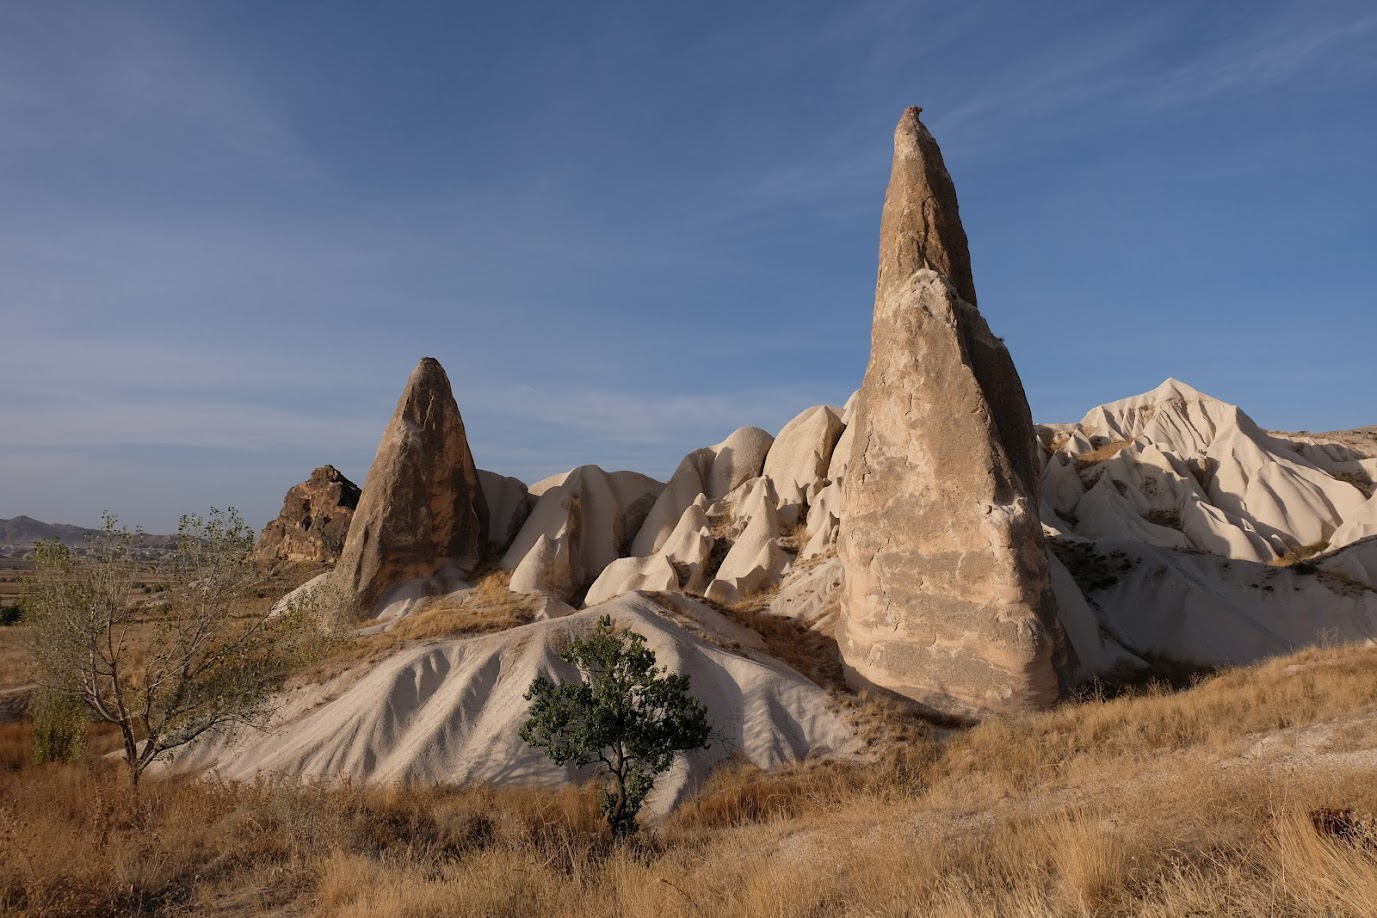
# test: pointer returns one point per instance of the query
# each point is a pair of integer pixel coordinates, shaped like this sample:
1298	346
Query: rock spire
422	508
947	599
920	226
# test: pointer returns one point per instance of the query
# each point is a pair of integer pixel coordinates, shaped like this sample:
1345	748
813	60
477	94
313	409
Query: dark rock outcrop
314	520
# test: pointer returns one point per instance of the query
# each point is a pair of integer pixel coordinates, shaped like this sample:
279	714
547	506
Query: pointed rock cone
422	506
948	599
921	223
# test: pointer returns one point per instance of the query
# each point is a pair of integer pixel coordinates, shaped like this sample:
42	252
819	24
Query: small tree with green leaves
169	669
623	713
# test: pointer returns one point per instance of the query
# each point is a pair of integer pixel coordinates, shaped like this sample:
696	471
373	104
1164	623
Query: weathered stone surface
509	504
756	559
802	451
582	521
314	520
920	226
948	599
714	471
422	508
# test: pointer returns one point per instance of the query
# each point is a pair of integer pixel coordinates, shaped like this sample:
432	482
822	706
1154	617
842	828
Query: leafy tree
165	670
623	712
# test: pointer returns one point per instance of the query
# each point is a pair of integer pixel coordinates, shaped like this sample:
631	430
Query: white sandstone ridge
1188	535
582	521
1185	607
732	521
448	711
1176	468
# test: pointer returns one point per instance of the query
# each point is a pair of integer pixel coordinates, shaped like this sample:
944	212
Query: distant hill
17	535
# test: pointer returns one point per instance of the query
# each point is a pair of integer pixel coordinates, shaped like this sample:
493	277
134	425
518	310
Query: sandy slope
448	711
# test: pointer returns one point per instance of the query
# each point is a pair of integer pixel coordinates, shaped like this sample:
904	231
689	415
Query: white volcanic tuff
680	563
756	560
1359	525
802	451
1062	488
1194	607
666	556
1235	489
713	471
811	593
1214	530
447	711
1356	562
581	522
1277	491
1335	458
1174	415
1105	513
1096	653
1160	483
509	504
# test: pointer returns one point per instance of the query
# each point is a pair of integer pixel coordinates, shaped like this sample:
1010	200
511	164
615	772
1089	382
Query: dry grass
14	659
1149	805
1100	454
1299	555
487	608
490	606
811	652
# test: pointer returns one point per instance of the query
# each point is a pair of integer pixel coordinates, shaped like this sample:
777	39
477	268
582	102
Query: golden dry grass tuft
1298	555
1100	454
490	606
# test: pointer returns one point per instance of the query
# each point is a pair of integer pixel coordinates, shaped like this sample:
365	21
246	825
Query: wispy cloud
1051	81
1159	59
1278	50
114	77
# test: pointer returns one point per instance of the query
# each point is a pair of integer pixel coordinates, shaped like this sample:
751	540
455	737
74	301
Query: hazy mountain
21	532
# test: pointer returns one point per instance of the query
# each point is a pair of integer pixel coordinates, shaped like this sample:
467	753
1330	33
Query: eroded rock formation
422	508
314	520
948	599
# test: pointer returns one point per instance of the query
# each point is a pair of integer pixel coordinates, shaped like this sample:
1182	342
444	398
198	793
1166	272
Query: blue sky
228	231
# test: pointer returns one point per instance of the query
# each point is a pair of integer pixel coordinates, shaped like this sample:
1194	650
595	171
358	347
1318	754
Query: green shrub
59	727
623	713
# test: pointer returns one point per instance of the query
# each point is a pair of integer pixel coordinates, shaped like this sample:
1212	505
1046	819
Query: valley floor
1251	793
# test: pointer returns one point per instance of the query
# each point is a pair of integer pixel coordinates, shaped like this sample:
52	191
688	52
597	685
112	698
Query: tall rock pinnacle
947	599
921	223
422	506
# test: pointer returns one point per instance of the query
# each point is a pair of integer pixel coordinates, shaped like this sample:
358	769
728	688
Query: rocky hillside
925	542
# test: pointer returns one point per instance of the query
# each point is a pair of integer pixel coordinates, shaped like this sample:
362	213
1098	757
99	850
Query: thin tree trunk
131	756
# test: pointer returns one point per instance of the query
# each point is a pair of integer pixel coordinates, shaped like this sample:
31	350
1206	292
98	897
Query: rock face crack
940	539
